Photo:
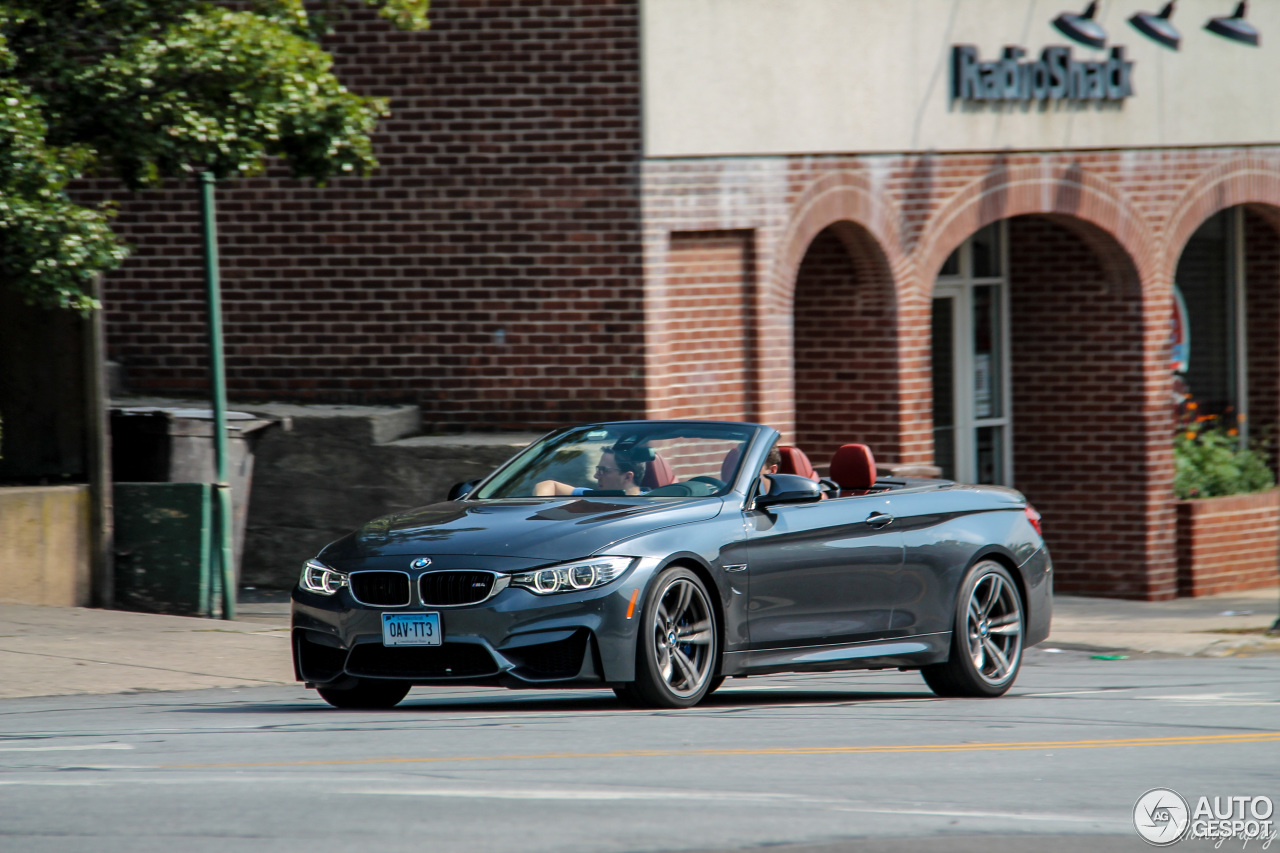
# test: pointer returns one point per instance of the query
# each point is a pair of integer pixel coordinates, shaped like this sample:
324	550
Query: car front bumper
515	639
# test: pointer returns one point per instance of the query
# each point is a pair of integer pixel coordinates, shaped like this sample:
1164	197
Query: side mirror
789	489
461	490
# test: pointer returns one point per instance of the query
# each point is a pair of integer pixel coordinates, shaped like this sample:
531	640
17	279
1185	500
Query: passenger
619	470
771	463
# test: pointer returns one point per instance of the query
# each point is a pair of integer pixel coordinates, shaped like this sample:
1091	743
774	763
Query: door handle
879	519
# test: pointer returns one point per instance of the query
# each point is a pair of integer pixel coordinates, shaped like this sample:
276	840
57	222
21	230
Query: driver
620	469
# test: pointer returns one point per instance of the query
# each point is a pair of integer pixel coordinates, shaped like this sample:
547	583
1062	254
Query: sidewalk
51	651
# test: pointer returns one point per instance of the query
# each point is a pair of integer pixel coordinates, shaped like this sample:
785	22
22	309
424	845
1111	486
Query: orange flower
1190	435
1233	431
1192	406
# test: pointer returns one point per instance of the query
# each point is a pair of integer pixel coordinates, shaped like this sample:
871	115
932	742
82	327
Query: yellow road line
1188	740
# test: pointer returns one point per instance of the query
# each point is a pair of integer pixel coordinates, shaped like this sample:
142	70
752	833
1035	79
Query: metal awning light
1082	28
1158	28
1236	27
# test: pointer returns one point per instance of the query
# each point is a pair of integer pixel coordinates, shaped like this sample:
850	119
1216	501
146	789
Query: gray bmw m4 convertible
658	558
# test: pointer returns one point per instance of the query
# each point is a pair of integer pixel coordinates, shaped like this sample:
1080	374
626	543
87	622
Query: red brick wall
488	271
1227	544
1078	449
1077	383
846	366
706	355
509	265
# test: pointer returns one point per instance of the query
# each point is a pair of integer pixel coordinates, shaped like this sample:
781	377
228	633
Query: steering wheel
671	490
719	484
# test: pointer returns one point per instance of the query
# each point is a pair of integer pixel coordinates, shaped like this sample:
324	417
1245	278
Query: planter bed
1228	544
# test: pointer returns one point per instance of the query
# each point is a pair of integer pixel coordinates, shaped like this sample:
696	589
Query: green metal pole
223	545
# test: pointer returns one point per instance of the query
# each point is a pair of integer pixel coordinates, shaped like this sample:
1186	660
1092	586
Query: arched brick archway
1241	181
1080	426
837	210
845	364
1247	183
1066	191
1230	214
1090	303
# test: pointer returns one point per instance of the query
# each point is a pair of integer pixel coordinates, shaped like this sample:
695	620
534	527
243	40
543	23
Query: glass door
971	422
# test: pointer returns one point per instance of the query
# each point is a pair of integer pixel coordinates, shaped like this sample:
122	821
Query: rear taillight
1034	518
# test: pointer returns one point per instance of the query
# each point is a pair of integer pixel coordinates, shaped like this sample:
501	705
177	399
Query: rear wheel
366	695
676	653
986	642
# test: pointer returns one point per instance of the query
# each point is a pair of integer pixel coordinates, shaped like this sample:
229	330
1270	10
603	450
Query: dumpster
163	535
163	462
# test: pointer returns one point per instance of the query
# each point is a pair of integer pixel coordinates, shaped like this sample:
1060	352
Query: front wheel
366	695
676	652
986	642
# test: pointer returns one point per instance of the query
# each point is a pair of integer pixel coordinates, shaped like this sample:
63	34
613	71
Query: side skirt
906	652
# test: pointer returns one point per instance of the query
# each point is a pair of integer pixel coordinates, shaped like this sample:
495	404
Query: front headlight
573	577
317	577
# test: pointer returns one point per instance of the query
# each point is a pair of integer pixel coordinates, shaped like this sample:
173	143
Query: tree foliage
145	90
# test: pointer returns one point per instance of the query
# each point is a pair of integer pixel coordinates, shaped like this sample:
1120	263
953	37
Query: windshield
656	459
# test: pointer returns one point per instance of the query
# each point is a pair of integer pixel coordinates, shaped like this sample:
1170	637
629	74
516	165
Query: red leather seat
854	468
795	462
657	473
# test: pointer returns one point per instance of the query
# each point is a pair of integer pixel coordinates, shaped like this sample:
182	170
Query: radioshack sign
1055	76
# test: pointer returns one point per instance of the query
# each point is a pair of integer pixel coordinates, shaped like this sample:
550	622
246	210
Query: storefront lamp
1235	28
1158	27
1082	28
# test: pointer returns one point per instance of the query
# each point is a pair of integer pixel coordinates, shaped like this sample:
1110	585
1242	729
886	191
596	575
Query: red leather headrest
657	473
853	467
795	462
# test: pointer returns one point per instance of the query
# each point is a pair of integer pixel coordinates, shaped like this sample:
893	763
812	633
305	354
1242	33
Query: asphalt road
806	763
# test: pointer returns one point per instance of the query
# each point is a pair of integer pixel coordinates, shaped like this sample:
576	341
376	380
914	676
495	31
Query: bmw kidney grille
381	589
445	588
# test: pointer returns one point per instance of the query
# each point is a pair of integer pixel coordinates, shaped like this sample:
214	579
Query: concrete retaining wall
332	468
44	545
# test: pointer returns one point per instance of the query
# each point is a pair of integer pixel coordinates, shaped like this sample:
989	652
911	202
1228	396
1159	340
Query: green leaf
151	89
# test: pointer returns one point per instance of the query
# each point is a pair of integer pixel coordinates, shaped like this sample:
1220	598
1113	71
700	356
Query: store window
971	420
1210	362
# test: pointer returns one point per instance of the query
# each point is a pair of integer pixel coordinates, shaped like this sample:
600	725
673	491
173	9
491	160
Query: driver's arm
551	488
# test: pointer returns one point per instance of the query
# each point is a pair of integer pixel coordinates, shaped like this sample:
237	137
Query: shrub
1209	462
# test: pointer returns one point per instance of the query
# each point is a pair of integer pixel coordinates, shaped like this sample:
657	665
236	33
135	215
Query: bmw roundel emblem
420	563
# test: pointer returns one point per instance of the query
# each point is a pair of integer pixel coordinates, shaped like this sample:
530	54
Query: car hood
552	529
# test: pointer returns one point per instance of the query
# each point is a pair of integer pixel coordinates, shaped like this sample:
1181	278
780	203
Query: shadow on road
512	702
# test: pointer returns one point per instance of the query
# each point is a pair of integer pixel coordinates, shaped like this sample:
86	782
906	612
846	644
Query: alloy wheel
994	628
683	637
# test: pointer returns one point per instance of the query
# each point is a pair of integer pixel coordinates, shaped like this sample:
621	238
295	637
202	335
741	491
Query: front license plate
411	629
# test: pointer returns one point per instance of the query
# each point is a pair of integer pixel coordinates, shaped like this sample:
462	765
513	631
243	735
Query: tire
677	652
986	640
626	694
366	695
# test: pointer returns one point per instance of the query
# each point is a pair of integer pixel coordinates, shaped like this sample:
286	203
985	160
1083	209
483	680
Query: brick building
851	219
